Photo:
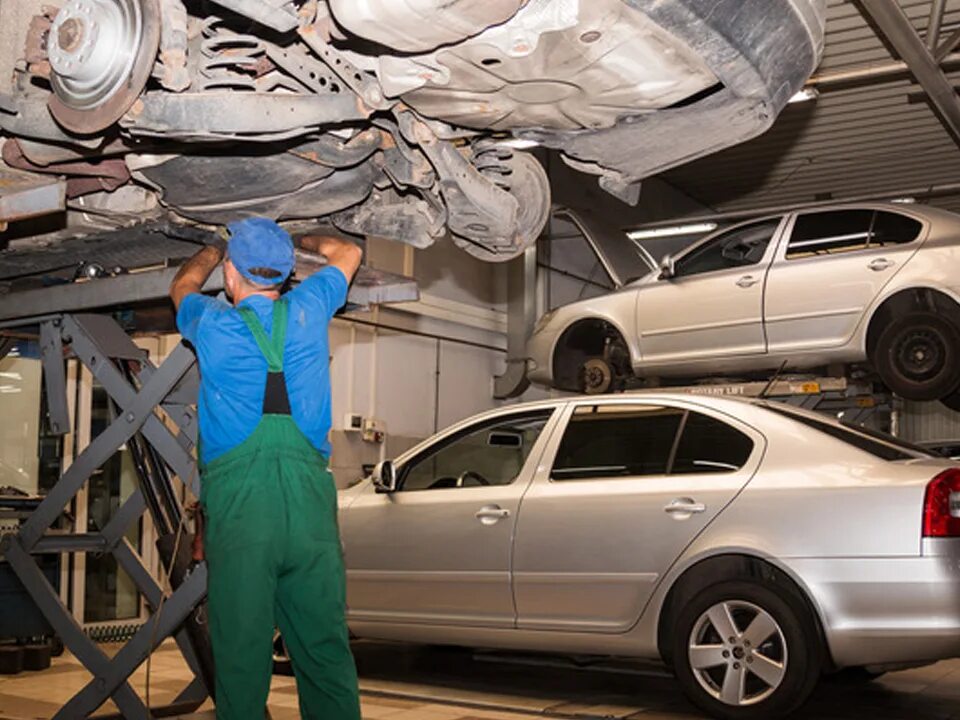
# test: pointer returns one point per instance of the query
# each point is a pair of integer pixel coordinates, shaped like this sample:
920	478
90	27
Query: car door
630	485
713	304
827	272
438	549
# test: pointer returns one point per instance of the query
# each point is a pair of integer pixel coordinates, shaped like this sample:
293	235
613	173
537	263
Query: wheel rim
738	653
921	354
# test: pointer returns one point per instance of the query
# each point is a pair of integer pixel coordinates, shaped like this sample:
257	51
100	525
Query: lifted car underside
402	120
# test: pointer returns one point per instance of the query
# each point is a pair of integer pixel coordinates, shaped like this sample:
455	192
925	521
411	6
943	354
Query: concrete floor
401	682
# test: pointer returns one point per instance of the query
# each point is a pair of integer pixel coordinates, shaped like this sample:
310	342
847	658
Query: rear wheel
745	651
952	401
918	356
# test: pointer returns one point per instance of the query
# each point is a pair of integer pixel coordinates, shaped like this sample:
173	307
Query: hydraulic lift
153	417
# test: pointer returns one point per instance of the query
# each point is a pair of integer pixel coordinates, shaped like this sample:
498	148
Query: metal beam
935	22
894	25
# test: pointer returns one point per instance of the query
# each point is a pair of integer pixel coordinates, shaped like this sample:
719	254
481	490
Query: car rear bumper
879	611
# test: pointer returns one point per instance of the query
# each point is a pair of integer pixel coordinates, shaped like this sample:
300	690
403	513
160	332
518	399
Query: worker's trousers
274	560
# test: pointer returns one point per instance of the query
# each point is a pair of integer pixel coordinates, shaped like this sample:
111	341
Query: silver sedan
751	546
828	285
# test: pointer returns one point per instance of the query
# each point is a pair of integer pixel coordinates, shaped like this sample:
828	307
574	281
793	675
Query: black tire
918	356
793	651
952	401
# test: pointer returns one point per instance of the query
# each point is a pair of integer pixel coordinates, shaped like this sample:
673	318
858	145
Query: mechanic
270	539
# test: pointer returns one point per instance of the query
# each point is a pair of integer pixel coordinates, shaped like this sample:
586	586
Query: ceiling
859	139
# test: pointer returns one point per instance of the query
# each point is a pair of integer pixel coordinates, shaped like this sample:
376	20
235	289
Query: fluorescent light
904	200
11	376
808	93
692	229
519	143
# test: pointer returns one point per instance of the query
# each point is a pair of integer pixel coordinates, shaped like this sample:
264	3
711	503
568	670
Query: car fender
618	309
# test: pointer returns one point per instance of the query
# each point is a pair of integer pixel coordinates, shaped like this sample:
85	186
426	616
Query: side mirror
667	268
385	477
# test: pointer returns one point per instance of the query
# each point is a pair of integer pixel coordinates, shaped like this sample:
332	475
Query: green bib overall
274	560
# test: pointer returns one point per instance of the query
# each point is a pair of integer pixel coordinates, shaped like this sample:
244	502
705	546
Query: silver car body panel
815	311
592	562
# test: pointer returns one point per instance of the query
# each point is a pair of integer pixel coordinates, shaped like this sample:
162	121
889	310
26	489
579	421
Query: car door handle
747	281
684	506
881	264
490	514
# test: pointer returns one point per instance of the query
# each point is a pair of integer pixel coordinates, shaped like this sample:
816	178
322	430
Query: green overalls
274	560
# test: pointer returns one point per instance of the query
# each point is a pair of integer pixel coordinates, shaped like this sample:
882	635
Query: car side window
708	445
603	441
841	231
611	441
741	246
492	453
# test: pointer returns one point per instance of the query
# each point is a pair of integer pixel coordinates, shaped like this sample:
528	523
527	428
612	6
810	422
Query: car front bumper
888	611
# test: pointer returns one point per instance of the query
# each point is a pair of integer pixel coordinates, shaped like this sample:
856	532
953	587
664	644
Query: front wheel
918	356
744	651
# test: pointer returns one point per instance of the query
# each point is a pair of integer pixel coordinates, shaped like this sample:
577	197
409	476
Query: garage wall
928	421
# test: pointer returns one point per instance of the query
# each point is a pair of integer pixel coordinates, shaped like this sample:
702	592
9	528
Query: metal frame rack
153	411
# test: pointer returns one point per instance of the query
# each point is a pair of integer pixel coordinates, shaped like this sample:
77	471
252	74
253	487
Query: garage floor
412	683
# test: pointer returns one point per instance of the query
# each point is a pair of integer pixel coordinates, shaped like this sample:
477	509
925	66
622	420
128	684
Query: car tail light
941	505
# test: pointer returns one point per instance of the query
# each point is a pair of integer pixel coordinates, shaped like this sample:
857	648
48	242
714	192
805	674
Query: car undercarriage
396	120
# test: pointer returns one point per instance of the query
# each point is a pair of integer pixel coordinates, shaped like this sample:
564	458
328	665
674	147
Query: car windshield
878	444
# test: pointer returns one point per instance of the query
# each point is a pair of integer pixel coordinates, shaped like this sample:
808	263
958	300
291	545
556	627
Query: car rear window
838	231
880	445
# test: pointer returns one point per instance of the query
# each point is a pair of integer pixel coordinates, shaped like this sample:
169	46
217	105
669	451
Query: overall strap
275	398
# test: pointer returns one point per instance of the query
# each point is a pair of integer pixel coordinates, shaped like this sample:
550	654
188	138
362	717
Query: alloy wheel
738	653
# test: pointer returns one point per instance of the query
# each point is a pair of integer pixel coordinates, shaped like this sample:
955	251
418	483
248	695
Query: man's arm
341	254
194	273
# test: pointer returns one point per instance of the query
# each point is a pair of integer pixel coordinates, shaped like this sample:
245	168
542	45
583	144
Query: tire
853	676
790	655
595	376
918	356
952	401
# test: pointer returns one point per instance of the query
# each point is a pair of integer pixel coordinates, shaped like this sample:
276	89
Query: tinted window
741	246
839	231
489	454
880	445
607	441
617	441
893	229
708	445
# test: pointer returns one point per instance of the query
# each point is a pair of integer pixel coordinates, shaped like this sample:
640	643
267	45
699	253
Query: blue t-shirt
233	371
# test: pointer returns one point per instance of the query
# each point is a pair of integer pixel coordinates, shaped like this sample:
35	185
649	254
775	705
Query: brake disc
101	54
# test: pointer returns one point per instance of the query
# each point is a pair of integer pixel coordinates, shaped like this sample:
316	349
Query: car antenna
776	376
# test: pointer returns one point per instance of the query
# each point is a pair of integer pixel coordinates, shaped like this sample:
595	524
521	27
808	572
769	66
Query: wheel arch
583	338
904	300
732	566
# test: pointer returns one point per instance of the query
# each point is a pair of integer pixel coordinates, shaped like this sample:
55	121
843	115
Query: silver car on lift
750	545
877	282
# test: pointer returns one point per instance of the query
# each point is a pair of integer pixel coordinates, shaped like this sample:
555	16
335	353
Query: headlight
543	321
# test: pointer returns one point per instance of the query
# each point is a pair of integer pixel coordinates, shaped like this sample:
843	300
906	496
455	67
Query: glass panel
604	441
29	454
492	454
742	246
109	592
826	233
894	229
710	446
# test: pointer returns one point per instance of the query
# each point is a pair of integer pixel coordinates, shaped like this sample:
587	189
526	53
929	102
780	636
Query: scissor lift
153	417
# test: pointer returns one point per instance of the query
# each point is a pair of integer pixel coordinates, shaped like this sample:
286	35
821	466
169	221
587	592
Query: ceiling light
904	200
808	93
673	230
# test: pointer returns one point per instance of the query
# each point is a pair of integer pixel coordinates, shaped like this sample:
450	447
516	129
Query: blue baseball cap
258	243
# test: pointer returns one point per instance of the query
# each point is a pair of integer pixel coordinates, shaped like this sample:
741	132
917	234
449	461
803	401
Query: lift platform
48	293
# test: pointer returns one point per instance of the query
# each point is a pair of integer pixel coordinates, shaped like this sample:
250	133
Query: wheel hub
101	53
921	354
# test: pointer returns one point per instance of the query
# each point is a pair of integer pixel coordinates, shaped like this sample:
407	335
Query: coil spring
227	59
493	161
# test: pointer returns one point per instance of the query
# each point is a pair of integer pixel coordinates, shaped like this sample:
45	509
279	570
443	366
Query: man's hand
342	254
194	273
